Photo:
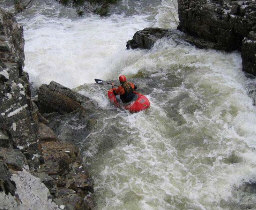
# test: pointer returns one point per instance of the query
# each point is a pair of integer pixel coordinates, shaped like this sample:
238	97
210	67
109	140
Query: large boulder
227	24
57	98
215	24
146	38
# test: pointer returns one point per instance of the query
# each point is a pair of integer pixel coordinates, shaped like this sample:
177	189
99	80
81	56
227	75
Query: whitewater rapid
196	144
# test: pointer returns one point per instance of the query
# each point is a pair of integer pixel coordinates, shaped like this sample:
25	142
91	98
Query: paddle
102	82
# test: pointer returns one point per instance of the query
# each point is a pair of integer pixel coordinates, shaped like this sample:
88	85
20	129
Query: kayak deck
140	103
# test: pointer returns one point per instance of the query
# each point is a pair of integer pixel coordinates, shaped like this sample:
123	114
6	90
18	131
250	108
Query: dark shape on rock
13	158
57	157
45	133
5	140
6	185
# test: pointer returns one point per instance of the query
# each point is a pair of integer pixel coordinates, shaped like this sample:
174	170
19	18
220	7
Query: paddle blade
99	81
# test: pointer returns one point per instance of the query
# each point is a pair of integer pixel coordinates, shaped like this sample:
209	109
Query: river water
192	149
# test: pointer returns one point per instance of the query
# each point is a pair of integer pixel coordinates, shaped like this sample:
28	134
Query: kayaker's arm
134	87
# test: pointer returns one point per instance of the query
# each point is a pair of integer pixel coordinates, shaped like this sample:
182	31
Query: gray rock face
25	139
216	24
17	126
226	25
15	106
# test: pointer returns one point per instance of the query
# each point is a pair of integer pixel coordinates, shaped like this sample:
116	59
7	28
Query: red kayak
138	104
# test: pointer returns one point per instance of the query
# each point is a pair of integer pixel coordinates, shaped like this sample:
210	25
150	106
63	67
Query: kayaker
125	90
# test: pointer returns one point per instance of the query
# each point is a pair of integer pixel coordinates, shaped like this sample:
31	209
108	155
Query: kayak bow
138	104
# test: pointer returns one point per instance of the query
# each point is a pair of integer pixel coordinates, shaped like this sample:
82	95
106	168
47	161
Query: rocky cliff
216	24
225	24
30	151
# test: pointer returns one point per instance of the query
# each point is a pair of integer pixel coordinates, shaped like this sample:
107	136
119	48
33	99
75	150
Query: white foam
76	52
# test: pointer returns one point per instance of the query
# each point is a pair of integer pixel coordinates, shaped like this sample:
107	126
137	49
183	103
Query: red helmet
122	78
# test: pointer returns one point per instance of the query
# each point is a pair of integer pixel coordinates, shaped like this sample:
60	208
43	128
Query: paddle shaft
102	82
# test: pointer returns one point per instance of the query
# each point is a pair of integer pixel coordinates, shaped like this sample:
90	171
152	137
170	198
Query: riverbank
30	150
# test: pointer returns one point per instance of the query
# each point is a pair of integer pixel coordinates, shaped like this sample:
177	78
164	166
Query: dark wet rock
100	7
51	101
73	127
57	98
249	187
5	140
13	158
243	196
45	133
146	38
71	202
6	185
15	105
226	25
25	138
80	182
248	54
63	173
57	157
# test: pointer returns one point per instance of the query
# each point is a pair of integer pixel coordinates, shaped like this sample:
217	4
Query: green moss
140	74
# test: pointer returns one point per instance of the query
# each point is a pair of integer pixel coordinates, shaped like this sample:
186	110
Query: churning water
196	144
